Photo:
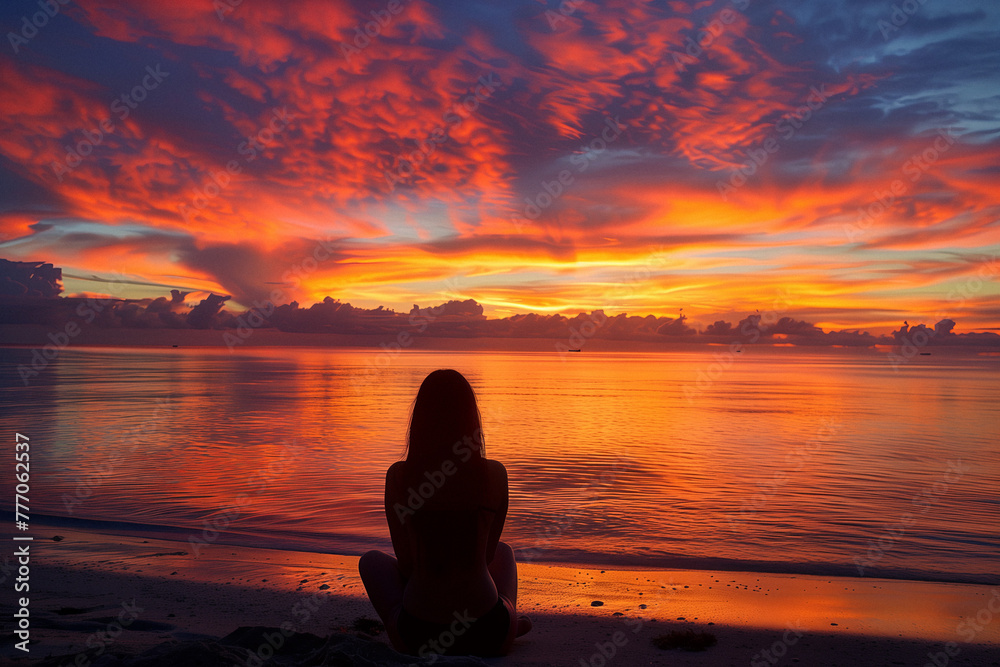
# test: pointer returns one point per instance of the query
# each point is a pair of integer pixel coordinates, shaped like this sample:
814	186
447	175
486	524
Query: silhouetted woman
452	587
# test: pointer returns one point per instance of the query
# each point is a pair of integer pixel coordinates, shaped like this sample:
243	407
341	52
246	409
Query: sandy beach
87	585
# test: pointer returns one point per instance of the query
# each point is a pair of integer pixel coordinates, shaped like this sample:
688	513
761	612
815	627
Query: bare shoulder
395	471
496	472
495	469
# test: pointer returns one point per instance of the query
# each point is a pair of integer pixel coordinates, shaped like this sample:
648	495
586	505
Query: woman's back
446	527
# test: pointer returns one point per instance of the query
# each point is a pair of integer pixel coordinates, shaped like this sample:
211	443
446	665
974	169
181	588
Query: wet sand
122	596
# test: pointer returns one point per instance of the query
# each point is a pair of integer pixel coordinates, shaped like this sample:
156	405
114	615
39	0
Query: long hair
445	421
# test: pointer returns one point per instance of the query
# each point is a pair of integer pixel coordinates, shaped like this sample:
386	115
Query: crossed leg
385	583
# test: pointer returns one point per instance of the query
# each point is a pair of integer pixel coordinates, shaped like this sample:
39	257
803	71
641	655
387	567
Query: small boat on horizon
576	350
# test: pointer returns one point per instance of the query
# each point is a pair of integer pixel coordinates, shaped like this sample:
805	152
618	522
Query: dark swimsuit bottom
485	636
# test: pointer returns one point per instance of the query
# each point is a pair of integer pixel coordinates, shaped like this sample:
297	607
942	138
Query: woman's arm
499	499
396	513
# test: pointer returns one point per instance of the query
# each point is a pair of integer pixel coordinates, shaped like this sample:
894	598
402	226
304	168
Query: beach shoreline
194	539
83	581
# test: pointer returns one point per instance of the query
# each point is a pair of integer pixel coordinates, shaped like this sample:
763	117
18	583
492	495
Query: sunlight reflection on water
612	457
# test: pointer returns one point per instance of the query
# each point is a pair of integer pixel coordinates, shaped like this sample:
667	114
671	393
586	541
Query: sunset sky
843	156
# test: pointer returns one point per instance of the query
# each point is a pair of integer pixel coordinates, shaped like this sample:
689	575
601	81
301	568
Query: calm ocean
784	460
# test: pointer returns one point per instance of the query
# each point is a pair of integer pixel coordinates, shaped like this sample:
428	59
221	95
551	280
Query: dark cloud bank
29	295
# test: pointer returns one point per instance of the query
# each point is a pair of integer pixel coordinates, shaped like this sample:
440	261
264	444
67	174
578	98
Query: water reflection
796	458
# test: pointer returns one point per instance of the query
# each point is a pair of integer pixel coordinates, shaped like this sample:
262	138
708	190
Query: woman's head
445	419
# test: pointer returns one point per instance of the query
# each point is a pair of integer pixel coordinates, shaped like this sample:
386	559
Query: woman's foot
523	625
